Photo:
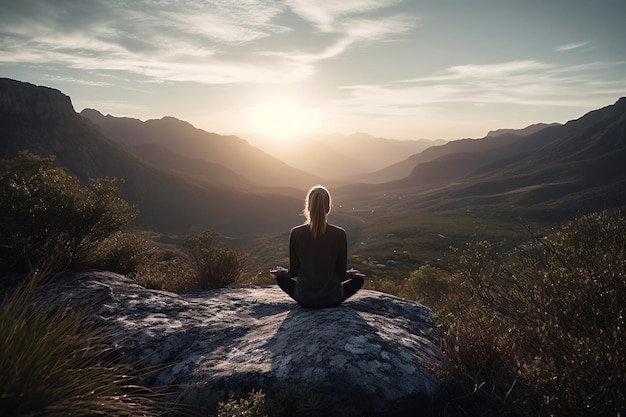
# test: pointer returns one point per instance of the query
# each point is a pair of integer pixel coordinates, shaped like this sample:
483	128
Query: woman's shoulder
331	230
336	229
298	228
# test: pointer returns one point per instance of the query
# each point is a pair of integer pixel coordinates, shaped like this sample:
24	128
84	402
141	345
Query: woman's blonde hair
316	208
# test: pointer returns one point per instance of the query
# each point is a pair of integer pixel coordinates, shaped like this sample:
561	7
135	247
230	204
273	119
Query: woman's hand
355	273
278	270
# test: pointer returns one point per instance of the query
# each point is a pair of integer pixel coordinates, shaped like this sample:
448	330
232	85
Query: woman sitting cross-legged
318	253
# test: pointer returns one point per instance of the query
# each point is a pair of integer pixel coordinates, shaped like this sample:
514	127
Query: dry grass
540	332
55	362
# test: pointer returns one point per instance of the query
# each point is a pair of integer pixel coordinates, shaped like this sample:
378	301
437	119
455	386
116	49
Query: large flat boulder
372	355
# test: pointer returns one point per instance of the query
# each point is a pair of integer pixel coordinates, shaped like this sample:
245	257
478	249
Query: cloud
352	20
571	46
325	14
74	80
467	100
216	41
374	29
215	20
527	83
192	40
497	70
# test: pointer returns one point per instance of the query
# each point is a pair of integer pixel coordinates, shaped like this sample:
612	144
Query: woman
318	253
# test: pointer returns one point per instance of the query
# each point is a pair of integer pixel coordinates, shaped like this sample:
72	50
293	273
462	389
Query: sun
281	118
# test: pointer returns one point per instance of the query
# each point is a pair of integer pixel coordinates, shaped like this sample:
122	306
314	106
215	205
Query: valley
184	180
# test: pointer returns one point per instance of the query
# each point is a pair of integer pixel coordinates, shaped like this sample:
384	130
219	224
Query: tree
48	220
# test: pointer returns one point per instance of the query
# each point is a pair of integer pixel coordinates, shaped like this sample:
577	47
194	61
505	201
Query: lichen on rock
374	352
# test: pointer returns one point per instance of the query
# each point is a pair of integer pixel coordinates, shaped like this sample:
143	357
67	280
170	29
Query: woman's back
319	264
318	256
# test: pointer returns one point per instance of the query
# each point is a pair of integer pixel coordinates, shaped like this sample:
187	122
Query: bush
215	266
429	285
56	363
167	270
544	330
253	406
48	218
122	252
289	401
201	265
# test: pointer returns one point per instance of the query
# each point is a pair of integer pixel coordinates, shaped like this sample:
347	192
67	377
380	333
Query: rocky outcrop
24	99
43	121
369	356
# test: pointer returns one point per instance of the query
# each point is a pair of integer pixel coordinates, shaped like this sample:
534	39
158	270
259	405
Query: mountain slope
318	158
569	169
343	158
375	151
43	120
522	132
163	158
183	139
494	140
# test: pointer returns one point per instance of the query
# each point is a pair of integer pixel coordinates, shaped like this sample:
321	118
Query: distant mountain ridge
528	130
555	172
573	168
341	158
184	140
495	139
43	121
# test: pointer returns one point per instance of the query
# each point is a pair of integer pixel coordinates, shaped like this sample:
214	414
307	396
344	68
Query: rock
19	99
369	356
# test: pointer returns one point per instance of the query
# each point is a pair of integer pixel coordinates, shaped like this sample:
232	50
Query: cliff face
43	120
371	355
18	98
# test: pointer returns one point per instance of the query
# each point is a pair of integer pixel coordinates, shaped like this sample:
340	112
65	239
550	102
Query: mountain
43	121
318	158
522	132
377	152
181	139
555	172
342	157
492	141
563	170
163	158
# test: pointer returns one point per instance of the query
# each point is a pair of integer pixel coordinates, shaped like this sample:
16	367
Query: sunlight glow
282	118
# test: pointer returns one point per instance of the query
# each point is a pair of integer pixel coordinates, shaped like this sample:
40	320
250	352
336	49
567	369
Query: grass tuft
56	362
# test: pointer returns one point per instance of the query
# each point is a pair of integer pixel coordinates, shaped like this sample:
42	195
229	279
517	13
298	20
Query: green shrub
429	285
167	270
48	218
199	266
215	266
289	401
123	252
55	362
544	328
253	406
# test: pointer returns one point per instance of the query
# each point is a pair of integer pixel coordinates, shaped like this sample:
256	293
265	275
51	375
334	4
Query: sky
399	69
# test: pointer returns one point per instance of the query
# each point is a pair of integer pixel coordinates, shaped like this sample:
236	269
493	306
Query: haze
390	68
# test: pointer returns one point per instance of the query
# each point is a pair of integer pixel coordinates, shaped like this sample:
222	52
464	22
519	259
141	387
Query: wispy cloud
353	20
328	15
571	46
497	70
74	80
216	41
528	83
452	102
